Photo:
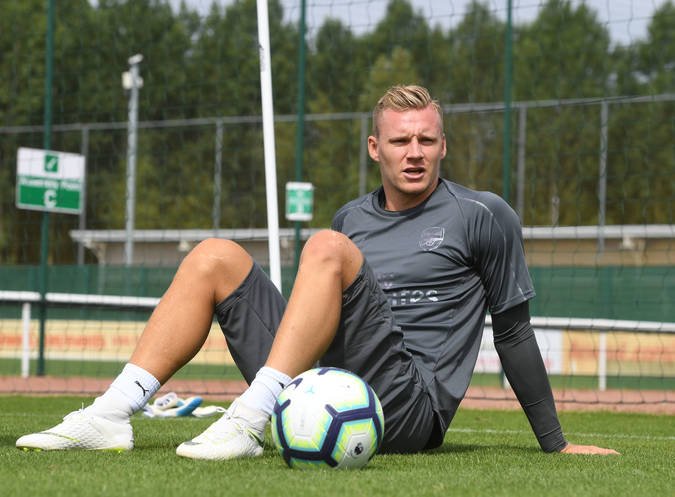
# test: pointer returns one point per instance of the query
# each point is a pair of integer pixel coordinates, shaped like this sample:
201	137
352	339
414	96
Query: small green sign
51	163
299	201
49	181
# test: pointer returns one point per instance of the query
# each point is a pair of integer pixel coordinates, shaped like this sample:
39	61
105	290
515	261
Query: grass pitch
486	453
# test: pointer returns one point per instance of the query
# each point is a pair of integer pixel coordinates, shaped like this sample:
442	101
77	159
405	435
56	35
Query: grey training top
442	265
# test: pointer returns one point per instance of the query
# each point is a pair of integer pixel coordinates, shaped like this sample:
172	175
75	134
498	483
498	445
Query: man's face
409	149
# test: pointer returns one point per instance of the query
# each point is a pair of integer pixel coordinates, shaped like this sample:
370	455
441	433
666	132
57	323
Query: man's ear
372	148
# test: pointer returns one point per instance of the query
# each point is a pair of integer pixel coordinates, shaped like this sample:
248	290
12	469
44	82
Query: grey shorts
368	343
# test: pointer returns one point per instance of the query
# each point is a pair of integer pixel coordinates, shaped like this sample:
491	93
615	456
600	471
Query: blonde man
396	292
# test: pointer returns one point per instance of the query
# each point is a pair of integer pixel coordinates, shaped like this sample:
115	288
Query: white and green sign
299	201
49	181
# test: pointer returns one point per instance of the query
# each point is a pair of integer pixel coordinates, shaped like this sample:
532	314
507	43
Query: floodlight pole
132	82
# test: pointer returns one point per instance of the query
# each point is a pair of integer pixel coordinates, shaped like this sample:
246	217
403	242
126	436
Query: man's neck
401	202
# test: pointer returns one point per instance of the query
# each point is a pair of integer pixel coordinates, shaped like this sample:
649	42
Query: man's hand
588	449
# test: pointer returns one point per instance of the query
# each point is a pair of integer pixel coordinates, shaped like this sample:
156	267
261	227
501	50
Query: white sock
264	389
127	394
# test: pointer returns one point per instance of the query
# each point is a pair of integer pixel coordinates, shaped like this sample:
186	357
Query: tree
656	55
219	77
641	169
206	67
401	27
476	75
562	54
335	68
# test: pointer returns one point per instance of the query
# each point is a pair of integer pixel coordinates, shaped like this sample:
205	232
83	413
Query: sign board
299	201
49	181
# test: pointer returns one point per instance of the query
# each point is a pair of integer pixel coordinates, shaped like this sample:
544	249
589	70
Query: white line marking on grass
575	434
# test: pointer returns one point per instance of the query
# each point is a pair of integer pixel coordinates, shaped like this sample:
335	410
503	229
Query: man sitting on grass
397	292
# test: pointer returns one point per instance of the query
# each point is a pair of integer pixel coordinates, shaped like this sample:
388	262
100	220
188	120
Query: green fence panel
611	292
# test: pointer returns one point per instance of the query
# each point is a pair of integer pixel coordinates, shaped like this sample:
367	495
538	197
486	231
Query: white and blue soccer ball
327	418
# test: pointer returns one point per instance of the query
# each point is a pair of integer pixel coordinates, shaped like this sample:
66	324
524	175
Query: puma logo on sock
145	391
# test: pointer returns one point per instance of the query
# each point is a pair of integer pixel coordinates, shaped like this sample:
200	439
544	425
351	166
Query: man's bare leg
174	334
178	326
181	322
330	263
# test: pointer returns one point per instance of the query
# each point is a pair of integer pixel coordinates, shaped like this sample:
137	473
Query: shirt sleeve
497	240
523	365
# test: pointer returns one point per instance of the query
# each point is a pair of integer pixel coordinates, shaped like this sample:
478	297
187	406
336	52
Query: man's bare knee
223	264
329	250
326	245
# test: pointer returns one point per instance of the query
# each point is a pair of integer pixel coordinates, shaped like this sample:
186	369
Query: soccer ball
327	417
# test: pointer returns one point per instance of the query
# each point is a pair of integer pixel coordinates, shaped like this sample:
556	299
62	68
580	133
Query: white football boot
84	431
240	432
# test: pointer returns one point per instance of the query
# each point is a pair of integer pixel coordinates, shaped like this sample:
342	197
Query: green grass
110	369
486	453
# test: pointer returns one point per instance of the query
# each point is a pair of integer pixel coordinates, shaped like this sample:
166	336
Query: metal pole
133	85
363	156
506	158
300	128
44	228
508	76
269	142
217	176
25	340
602	174
82	222
602	361
520	181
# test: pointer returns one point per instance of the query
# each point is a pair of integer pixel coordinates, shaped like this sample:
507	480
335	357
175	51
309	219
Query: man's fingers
589	449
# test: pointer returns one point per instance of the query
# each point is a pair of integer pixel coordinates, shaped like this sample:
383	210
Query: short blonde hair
400	98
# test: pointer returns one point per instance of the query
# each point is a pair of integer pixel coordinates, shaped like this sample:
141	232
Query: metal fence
520	108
